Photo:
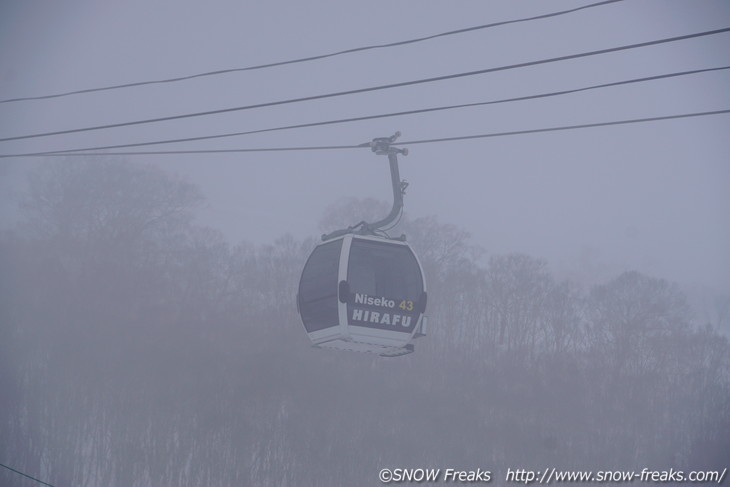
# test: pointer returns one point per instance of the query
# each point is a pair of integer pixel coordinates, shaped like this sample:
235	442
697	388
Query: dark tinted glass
318	287
382	269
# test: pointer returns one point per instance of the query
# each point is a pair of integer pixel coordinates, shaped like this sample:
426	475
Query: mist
578	280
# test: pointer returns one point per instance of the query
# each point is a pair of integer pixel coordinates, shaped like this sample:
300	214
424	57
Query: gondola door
384	293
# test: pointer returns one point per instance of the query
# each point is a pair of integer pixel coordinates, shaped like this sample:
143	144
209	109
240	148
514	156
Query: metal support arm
381	146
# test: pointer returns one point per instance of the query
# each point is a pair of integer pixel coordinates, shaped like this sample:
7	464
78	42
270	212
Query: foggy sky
652	197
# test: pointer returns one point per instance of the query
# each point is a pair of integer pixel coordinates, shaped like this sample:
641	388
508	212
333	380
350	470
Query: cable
565	127
209	151
392	114
26	475
366	146
374	88
311	58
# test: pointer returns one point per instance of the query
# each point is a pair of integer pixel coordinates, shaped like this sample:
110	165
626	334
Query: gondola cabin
363	293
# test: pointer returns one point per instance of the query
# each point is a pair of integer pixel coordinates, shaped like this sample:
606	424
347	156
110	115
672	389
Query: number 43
406	305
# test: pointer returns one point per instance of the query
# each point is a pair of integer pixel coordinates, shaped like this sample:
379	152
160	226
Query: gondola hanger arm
382	146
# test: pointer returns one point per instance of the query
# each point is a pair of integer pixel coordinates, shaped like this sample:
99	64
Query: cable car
364	294
361	290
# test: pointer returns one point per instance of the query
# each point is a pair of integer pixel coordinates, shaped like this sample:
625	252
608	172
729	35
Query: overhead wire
366	145
564	127
202	151
374	88
26	475
392	114
311	58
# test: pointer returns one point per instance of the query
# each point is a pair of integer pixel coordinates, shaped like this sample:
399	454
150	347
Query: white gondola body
383	310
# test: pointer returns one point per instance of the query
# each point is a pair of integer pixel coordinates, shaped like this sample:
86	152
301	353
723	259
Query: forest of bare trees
139	349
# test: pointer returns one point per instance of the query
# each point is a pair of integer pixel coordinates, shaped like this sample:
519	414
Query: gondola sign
381	313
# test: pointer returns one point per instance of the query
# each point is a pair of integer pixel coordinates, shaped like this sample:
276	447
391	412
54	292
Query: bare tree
631	313
517	290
